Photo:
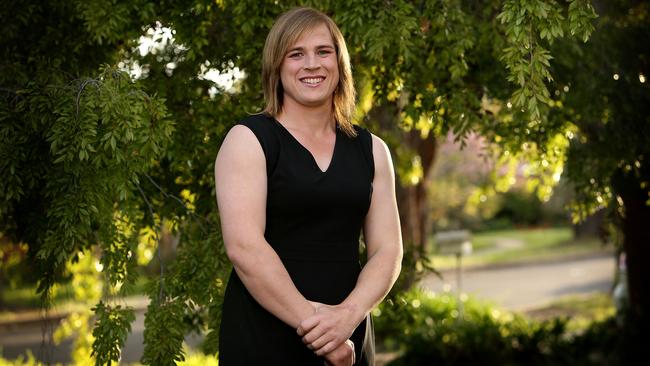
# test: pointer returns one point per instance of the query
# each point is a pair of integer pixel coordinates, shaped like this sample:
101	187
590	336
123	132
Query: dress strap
366	141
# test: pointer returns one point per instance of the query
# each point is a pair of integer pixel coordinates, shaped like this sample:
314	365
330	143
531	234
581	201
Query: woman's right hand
343	355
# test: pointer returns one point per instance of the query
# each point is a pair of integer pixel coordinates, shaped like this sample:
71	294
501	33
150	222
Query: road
15	340
525	286
516	287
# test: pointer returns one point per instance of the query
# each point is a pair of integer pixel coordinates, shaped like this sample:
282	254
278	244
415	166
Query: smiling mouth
313	80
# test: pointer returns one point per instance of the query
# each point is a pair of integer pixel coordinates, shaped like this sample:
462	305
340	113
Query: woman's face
309	70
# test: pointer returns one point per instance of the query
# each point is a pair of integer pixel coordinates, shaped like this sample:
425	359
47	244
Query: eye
324	52
295	55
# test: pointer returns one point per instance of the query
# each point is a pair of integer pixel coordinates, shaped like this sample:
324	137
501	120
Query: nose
312	61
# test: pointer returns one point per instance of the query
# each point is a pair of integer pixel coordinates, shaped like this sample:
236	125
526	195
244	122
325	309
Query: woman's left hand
328	327
343	355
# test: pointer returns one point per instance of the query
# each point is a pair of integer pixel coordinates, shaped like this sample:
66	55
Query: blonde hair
286	31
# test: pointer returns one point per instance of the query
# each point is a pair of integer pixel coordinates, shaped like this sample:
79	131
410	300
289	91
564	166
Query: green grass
534	238
581	310
511	246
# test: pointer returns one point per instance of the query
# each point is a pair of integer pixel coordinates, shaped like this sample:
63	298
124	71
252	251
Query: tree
608	99
95	159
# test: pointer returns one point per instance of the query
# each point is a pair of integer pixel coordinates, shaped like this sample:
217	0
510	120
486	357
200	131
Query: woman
295	185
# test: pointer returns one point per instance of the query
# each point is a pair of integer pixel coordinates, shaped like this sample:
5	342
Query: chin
314	102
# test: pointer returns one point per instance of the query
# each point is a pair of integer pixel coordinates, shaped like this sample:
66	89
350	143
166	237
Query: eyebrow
317	47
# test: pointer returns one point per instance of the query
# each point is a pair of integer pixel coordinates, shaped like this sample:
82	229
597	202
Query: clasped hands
327	333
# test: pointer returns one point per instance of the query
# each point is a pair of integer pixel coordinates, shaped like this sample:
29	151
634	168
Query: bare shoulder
240	172
240	146
381	155
240	184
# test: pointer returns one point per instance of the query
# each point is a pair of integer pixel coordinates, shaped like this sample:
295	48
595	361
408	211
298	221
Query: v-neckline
336	142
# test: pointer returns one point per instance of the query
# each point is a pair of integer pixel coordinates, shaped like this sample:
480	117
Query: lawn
580	310
511	246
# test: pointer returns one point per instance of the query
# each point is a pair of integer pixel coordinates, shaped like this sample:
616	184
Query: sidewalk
36	317
531	284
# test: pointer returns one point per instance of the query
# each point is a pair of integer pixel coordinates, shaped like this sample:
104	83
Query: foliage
608	100
529	23
520	209
14	271
581	310
164	325
87	289
96	136
431	328
454	178
198	359
112	326
471	190
30	360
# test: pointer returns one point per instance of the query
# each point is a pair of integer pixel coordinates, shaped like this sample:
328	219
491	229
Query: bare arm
240	180
332	325
383	237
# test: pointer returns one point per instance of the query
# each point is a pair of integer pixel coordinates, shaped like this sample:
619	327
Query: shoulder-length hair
286	31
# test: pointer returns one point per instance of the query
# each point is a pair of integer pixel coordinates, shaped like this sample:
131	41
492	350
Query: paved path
15	340
526	286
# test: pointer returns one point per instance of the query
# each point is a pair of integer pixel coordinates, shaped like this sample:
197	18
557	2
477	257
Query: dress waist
316	251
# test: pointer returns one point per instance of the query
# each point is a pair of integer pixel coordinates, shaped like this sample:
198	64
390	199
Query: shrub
430	329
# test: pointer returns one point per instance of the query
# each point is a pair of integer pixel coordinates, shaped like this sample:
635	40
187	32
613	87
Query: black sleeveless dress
313	222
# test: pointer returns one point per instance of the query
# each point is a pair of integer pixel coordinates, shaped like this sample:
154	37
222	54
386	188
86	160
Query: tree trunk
636	244
414	207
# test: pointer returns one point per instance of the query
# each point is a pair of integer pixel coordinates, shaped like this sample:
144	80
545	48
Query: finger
327	348
307	325
320	343
354	354
350	344
313	335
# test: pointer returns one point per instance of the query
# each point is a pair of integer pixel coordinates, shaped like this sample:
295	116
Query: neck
312	118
